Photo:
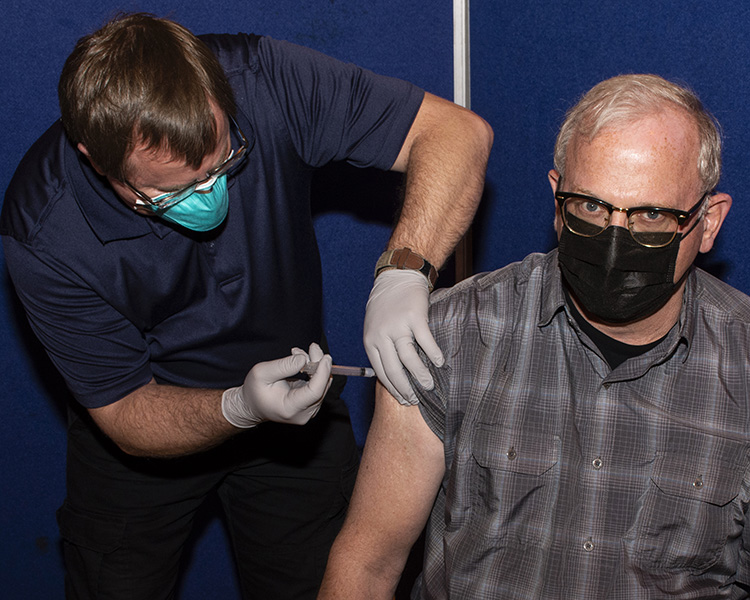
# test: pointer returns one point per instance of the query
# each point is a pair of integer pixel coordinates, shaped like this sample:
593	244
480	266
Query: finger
377	365
423	336
301	352
320	380
396	377
328	387
374	356
282	368
271	371
407	354
315	352
304	396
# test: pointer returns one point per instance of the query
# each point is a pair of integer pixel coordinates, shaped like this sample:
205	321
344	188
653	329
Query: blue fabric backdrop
530	62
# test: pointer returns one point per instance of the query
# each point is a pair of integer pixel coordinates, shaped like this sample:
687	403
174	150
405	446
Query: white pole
462	96
461	59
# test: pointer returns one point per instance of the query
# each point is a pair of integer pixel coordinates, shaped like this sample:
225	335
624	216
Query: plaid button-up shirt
567	479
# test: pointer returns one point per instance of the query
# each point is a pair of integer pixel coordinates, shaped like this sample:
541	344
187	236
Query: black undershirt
614	351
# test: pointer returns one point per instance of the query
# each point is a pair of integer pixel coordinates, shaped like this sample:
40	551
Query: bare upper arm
400	474
438	115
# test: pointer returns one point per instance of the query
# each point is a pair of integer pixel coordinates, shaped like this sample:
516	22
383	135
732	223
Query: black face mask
614	277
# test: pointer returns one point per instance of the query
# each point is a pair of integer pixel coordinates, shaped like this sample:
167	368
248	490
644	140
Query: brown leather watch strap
404	258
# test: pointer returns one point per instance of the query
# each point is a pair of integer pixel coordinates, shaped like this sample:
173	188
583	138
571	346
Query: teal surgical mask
203	210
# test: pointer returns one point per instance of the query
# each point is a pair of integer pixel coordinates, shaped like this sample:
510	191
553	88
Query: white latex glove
267	394
396	317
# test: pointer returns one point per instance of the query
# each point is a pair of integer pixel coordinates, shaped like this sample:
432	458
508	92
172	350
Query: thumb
282	368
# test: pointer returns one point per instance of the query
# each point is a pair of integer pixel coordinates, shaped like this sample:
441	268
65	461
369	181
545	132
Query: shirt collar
553	299
107	215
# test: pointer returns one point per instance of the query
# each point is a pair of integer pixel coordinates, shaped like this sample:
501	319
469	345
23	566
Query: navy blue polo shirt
117	298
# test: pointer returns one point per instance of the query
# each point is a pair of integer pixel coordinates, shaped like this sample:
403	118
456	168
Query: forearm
165	421
445	159
348	575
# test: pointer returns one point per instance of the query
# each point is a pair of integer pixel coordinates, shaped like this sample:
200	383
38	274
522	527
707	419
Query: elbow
483	134
147	447
490	135
134	450
112	421
132	447
473	135
479	138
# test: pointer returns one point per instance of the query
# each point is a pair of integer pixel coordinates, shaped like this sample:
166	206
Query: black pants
284	490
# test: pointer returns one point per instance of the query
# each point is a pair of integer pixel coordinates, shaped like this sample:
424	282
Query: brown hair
627	98
142	80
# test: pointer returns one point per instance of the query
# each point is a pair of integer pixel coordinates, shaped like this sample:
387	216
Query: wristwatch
404	258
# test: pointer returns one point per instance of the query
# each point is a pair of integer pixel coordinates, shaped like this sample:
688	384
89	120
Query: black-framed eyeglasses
650	226
205	185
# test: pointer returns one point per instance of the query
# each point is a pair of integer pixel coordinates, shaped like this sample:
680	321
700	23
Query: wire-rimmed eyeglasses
169	199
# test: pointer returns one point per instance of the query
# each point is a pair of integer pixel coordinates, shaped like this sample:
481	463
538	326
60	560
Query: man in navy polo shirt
159	237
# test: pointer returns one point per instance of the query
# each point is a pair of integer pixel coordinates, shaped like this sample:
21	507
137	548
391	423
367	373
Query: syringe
311	367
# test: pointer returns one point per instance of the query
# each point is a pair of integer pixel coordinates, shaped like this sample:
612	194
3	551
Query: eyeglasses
650	226
169	199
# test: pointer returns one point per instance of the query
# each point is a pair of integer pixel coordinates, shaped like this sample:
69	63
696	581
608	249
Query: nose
619	218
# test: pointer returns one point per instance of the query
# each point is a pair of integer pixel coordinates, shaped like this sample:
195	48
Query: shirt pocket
688	513
514	484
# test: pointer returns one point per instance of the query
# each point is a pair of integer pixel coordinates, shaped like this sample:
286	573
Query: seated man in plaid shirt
589	433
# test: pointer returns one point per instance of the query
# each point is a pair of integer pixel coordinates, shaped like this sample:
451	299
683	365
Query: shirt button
588	545
511	454
698	483
597	463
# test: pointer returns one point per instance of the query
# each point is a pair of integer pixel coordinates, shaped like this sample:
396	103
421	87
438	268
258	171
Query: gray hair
627	98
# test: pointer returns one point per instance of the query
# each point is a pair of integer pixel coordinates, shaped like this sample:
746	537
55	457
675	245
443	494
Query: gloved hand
267	394
396	316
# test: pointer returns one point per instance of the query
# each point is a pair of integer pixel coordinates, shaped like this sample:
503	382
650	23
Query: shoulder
492	282
719	302
250	52
717	317
493	296
38	182
235	52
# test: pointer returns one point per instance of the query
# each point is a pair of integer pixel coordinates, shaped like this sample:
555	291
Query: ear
718	207
83	150
554	179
